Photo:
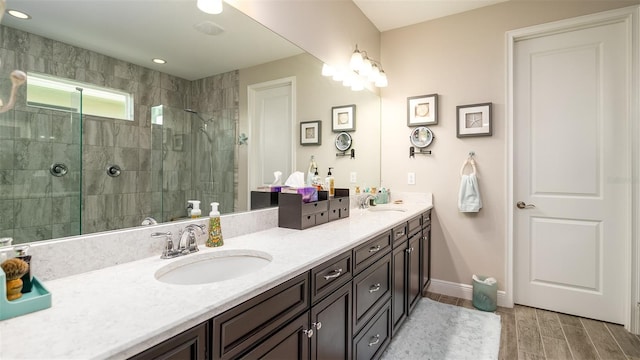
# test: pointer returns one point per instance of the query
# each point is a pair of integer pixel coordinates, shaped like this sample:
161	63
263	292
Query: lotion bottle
215	231
329	183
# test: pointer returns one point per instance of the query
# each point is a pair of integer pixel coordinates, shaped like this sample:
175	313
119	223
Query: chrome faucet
188	242
366	200
168	250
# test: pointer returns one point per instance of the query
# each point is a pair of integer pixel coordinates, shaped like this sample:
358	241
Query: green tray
38	299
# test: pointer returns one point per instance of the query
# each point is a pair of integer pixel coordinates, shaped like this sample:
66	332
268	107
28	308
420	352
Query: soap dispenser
317	183
215	231
329	183
195	209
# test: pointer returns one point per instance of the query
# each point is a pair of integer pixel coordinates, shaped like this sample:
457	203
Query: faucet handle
168	250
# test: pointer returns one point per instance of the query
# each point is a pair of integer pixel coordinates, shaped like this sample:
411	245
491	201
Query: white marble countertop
122	310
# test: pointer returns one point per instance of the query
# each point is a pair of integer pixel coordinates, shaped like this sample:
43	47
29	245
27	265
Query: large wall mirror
190	136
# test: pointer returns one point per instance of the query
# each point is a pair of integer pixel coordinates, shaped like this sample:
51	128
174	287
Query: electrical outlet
411	178
353	177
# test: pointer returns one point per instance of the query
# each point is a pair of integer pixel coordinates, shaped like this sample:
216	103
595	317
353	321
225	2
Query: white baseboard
463	291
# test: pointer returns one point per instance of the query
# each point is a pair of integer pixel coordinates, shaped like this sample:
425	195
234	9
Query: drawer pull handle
334	274
375	248
409	250
400	233
317	325
376	339
309	332
374	288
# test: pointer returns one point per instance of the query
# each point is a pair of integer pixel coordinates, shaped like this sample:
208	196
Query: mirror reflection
189	139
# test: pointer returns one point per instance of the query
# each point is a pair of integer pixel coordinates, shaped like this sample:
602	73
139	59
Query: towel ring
471	162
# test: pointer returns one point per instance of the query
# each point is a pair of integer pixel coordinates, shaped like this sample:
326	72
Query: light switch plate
353	177
411	178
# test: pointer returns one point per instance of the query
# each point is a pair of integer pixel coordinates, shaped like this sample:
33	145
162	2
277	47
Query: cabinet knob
374	340
374	288
309	332
317	325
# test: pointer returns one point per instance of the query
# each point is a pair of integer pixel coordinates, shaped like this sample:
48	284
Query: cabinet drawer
399	233
367	253
341	205
329	276
370	290
237	329
374	338
314	207
191	344
414	225
426	218
322	217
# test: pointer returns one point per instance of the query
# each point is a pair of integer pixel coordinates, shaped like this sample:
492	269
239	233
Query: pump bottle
215	231
329	183
195	210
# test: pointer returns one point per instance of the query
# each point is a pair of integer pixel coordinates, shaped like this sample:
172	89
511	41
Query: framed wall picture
311	133
422	110
474	120
343	118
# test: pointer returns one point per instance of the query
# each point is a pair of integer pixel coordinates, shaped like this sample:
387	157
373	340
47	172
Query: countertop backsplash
78	254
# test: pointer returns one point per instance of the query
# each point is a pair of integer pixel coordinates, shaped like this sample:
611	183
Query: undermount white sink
212	267
387	207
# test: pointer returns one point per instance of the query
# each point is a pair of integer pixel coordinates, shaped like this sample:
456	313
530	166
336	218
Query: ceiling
392	14
138	30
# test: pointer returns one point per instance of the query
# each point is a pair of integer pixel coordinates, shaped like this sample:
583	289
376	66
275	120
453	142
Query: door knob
523	205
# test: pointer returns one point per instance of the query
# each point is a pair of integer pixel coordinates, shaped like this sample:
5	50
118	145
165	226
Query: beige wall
462	58
315	96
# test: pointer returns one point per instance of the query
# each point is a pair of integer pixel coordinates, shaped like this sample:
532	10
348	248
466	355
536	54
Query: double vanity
337	290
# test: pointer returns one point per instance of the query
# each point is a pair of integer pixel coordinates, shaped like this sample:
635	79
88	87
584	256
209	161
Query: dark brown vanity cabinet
406	271
425	252
345	308
189	345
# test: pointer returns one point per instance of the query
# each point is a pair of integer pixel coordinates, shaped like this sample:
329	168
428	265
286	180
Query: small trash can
485	293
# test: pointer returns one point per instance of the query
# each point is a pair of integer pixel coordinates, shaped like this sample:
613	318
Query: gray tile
579	342
7	217
31	184
508	337
529	336
32	212
29	234
448	299
556	348
28	155
126	158
6	184
629	343
549	324
603	340
525	313
6	154
569	320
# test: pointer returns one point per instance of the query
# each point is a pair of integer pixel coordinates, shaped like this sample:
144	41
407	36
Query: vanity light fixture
159	61
18	14
210	6
362	70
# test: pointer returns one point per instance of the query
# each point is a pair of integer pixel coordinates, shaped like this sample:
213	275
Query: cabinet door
399	286
413	267
331	323
425	258
189	345
290	342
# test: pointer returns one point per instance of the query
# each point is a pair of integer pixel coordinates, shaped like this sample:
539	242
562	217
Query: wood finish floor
534	334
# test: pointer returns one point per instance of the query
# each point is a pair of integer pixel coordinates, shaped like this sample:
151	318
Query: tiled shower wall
107	203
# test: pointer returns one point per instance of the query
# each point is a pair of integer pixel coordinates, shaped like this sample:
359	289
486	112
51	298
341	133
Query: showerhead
204	121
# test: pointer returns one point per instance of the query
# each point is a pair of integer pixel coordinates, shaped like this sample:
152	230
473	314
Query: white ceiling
392	14
139	30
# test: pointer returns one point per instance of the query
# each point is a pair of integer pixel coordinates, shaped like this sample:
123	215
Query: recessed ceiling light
18	14
159	61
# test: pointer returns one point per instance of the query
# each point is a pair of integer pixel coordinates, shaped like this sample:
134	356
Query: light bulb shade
365	69
382	80
347	81
338	75
374	74
357	85
210	6
356	60
327	70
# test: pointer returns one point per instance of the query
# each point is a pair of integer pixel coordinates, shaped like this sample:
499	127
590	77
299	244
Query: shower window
53	93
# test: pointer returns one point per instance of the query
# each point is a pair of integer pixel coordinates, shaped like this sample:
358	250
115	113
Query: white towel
469	197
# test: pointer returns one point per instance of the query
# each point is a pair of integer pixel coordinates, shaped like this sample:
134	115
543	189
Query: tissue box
271	188
309	193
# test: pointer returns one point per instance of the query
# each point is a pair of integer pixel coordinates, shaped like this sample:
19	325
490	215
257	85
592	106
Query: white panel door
271	135
571	162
